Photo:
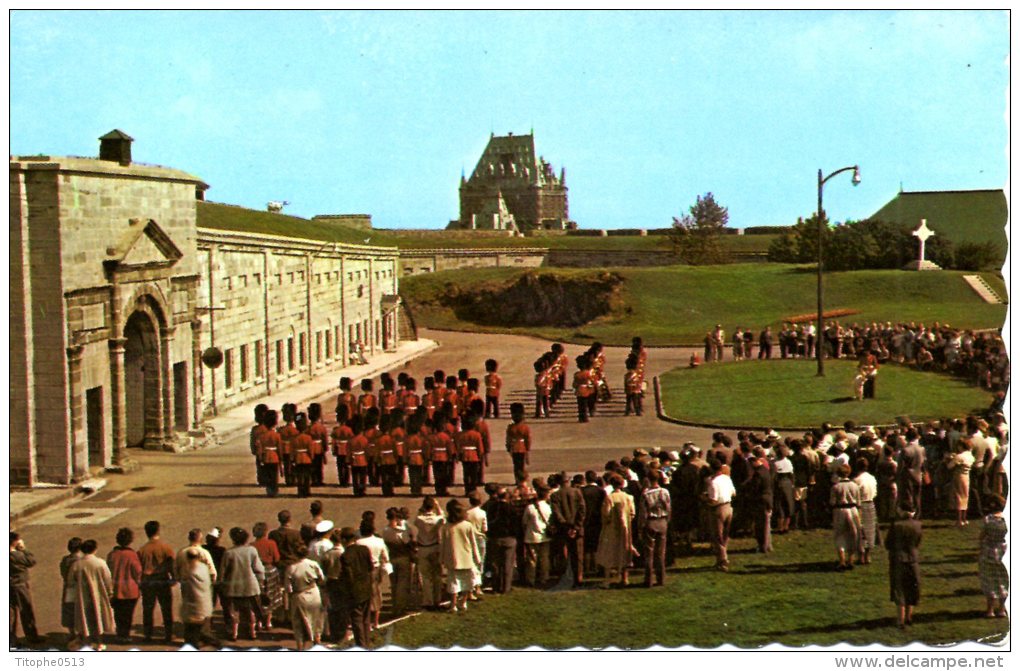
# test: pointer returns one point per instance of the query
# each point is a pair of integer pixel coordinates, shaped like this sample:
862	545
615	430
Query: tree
695	236
800	245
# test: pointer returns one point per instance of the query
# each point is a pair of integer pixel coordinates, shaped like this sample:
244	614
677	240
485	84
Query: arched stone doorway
142	381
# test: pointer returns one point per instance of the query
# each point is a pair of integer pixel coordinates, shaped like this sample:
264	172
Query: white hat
674	455
323	527
215	533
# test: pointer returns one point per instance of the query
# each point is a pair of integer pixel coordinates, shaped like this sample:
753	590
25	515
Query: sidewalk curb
243	430
61	496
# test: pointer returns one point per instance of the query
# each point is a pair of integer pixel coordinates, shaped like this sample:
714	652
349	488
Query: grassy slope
792	596
678	304
233	218
787	393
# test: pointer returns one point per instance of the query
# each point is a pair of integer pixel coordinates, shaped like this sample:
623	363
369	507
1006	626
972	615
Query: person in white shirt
536	539
869	515
719	497
320	544
380	564
478	518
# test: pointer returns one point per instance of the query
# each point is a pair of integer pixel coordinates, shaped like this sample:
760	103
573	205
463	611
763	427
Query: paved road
216	487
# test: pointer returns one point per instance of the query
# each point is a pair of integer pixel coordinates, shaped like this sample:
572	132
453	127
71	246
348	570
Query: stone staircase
983	289
407	329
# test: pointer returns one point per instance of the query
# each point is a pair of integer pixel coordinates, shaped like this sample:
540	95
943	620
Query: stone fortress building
119	303
513	188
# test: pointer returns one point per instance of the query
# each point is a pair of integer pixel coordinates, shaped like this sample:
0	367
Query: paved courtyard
216	487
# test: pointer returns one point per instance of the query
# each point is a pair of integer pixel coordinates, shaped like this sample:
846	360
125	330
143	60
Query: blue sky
379	112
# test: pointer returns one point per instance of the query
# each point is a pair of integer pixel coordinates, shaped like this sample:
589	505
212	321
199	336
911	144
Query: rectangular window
258	279
318	346
258	359
244	363
290	353
228	372
291	277
302	348
242	281
279	357
329	349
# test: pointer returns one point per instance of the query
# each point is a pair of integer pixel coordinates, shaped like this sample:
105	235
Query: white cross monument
922	233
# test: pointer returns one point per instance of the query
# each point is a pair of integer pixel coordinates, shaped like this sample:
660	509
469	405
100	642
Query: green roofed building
961	216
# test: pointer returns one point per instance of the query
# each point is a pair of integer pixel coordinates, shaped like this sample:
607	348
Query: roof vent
116	146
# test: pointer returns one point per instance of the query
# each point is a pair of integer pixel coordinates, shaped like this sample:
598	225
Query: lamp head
856	179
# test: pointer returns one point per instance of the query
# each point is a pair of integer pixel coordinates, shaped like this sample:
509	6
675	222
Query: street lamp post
820	216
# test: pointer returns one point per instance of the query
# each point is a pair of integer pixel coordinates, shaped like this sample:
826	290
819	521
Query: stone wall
446	233
96	247
115	294
418	261
600	258
285	310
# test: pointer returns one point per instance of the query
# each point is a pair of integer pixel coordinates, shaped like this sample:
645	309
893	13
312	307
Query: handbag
550	523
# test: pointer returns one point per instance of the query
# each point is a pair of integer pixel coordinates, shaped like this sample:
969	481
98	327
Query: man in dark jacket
21	592
761	497
504	525
593	494
902	541
355	590
568	509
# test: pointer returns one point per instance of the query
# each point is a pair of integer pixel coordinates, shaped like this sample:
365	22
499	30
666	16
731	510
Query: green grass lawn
788	393
678	304
792	596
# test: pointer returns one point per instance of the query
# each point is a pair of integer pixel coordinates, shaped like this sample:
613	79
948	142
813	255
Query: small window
302	348
279	357
290	277
242	281
244	363
290	353
258	359
228	368
361	291
318	346
257	278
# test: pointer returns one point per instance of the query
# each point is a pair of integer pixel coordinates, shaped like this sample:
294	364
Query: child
518	441
493	385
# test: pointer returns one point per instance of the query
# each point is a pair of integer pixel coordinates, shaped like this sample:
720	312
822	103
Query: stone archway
142	381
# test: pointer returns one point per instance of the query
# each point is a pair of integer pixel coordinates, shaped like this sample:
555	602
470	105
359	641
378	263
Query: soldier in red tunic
543	383
493	385
415	449
367	399
357	451
287	434
383	451
471	451
469	395
253	438
320	434
453	398
632	384
482	427
431	399
340	438
347	397
518	441
562	363
584	388
268	451
441	453
410	401
302	447
387	395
